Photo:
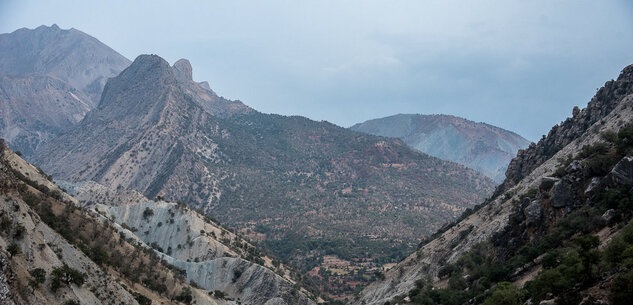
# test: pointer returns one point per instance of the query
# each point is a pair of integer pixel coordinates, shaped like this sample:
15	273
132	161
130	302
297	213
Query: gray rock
547	183
561	194
622	172
608	215
574	166
533	212
595	182
183	69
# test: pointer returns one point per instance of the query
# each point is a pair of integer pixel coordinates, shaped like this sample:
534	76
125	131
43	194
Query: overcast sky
519	65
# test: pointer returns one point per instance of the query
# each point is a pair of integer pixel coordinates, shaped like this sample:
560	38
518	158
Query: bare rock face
184	69
605	100
622	173
479	146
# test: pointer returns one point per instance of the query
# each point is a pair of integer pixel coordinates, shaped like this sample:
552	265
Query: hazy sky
521	65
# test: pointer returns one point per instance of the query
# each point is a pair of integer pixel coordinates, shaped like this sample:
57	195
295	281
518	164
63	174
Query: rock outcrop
604	102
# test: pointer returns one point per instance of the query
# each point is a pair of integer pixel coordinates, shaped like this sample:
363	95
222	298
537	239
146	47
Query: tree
504	294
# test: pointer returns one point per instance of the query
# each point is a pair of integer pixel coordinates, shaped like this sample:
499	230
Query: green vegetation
565	246
65	275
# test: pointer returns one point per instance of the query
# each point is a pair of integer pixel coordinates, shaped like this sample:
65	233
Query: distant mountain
303	188
557	231
49	79
480	146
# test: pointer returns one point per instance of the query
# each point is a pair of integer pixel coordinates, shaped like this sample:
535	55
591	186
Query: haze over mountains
49	79
482	147
336	205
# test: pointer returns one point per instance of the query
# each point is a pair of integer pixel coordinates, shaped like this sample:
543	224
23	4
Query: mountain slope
49	79
105	253
554	229
71	56
480	146
299	186
52	252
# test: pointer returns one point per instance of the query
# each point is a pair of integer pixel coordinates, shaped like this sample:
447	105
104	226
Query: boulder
622	172
547	183
533	212
561	195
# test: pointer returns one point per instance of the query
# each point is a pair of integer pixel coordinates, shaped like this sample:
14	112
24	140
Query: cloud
521	65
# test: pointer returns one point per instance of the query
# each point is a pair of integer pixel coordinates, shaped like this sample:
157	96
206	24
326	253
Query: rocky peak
605	100
137	90
183	69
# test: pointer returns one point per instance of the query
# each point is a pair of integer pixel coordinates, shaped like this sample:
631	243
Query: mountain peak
183	69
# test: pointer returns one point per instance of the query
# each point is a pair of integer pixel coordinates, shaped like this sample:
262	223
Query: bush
13	249
65	275
219	294
39	275
504	294
185	296
622	289
147	213
142	300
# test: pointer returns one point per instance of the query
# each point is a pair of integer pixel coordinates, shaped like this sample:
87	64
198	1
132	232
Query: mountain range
303	188
482	147
153	170
49	79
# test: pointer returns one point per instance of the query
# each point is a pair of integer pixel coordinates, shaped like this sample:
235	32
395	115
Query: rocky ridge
562	178
482	147
604	102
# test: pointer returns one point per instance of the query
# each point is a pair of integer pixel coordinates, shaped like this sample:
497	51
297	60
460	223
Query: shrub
147	213
622	289
13	249
504	294
219	294
185	296
65	275
39	275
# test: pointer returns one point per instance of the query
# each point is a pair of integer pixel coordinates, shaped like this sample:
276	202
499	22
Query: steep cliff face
479	146
292	179
49	79
564	200
603	103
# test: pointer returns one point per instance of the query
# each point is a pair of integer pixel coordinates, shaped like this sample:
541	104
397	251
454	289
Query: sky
520	65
